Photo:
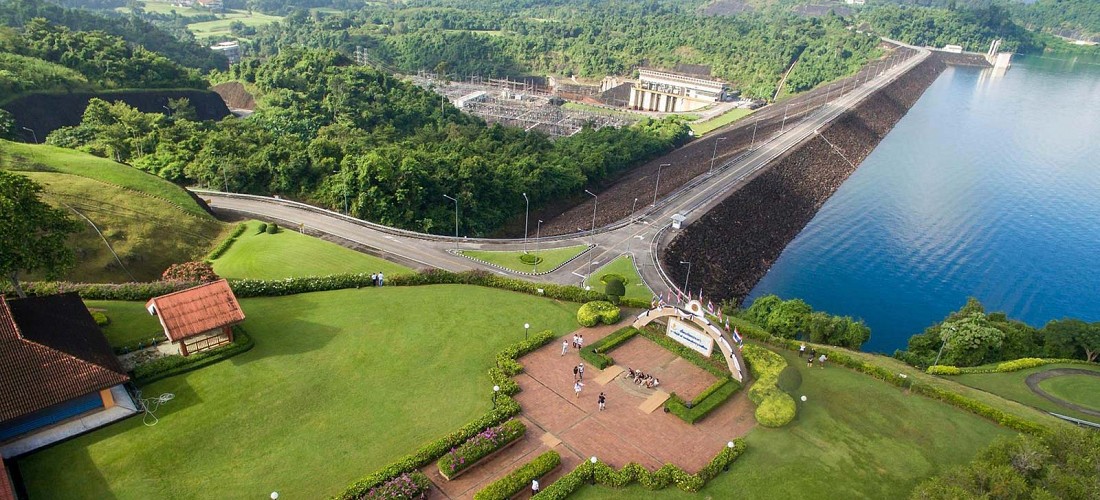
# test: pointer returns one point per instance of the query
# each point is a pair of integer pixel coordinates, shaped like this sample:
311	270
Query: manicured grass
289	254
130	322
18	156
1011	386
207	29
1079	389
719	121
551	257
148	234
855	437
339	384
167	8
623	265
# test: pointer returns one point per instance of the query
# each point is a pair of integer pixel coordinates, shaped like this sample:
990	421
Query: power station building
672	92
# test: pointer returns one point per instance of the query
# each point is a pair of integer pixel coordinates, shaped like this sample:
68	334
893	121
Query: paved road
641	236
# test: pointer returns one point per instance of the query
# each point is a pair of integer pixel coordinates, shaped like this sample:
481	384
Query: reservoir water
989	187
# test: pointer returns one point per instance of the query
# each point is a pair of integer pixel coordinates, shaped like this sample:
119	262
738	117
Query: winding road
642	235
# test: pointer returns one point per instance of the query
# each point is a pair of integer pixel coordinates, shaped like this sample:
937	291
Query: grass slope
721	120
1011	386
220	27
551	257
623	265
855	437
339	384
288	254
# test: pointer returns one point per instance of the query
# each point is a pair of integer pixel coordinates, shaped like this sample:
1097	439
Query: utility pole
754	125
783	127
714	154
688	277
456	218
526	219
658	184
538	233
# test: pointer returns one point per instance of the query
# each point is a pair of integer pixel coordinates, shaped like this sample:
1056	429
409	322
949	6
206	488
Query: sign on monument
691	336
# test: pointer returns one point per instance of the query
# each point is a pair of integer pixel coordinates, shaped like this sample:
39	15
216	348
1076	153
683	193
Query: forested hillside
328	128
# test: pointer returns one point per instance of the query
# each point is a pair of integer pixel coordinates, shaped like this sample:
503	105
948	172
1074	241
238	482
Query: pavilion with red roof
198	318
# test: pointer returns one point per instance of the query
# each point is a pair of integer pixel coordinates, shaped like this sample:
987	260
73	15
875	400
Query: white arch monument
690	327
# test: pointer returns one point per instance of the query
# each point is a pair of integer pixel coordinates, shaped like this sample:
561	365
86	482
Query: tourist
810	361
656	382
577	387
631	372
580	371
802	350
575	371
821	360
649	382
580	341
574	340
381	279
564	347
373	279
603	401
534	487
813	352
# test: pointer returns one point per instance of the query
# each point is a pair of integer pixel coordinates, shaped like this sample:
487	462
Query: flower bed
408	486
519	479
479	447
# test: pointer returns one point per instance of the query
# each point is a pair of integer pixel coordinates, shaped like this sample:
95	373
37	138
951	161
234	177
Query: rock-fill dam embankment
733	246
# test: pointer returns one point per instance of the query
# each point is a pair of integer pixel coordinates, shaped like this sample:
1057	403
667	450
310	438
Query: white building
673	93
954	49
232	51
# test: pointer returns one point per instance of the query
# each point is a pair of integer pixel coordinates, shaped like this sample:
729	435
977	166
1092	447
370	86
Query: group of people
578	343
813	355
377	279
640	378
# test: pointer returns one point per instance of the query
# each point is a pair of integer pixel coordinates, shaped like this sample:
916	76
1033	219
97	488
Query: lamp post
688	277
456	218
783	127
592	232
34	135
754	125
593	461
634	207
274	495
526	219
538	233
729	450
714	154
496	389
658	184
526	328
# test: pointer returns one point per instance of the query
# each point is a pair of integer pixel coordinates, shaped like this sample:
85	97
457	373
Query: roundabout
1061	385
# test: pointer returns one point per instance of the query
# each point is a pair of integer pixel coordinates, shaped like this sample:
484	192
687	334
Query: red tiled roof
197	310
7	492
51	363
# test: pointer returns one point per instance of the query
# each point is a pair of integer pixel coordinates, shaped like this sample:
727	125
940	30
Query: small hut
198	318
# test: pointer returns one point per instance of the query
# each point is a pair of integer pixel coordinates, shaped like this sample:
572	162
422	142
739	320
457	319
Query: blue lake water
989	187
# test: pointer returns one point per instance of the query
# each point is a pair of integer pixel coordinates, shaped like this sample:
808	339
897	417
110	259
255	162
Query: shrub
943	370
169	366
226	243
607	278
191	272
100	318
262	229
1020	364
712	397
596	353
615	289
777	410
479	446
774	408
529	259
518	479
272	228
408	486
600	311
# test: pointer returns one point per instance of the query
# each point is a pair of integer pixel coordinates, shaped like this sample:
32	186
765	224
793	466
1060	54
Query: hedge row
1005	367
411	486
506	408
659	479
226	243
479	446
774	407
928	390
518	480
596	353
598	311
712	397
169	366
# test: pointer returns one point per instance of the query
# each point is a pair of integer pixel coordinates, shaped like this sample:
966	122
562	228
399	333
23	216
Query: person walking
381	279
821	361
603	401
373	279
575	371
580	341
574	340
577	386
534	487
580	371
564	347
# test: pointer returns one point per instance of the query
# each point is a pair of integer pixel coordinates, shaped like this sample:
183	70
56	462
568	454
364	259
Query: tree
1070	337
970	340
33	232
615	289
192	271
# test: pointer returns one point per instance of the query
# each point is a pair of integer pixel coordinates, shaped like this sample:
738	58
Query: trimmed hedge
519	479
1004	367
596	353
226	243
598	311
661	478
712	397
411	486
169	366
943	370
1020	364
774	407
479	446
505	409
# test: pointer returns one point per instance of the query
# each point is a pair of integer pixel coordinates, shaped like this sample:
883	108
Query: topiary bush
272	228
262	229
774	408
100	318
609	277
1020	364
943	370
596	312
614	289
777	410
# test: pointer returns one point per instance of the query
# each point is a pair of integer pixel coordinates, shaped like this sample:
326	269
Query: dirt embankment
686	163
235	95
735	244
46	112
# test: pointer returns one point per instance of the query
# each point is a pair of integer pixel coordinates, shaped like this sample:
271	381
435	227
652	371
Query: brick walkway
574	427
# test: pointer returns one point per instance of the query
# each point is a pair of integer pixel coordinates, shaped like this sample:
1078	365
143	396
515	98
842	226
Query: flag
719	314
700	295
727	324
737	336
710	307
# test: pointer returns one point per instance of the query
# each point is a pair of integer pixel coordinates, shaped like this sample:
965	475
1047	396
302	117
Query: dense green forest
974	29
328	128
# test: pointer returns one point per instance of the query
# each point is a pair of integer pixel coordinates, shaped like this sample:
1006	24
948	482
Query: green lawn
1080	389
623	265
288	254
207	29
551	257
1011	386
166	8
721	120
130	322
339	384
855	437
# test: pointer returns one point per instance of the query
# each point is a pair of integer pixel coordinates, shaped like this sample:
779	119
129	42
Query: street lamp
526	328
166	108
592	233
714	154
538	232
496	389
274	495
526	219
658	184
729	449
593	461
686	278
34	135
783	127
754	125
634	207
456	218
